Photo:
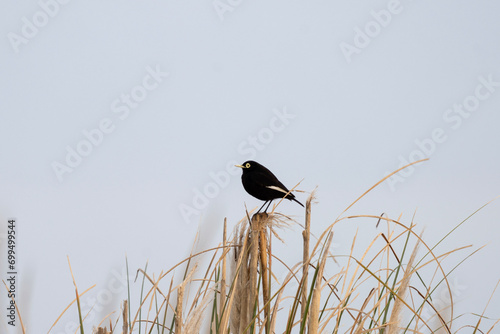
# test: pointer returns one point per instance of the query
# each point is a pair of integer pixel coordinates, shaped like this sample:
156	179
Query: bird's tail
298	202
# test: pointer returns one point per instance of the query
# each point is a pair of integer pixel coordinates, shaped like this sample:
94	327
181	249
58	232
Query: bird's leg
267	207
261	207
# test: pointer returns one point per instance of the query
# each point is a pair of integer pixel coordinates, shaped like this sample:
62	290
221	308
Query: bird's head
249	166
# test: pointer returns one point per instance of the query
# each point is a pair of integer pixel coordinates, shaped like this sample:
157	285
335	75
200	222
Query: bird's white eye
247	165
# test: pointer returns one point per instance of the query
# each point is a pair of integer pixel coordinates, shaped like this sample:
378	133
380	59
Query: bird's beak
240	166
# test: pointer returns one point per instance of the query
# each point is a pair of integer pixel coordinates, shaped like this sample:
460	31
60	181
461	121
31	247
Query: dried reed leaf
395	318
316	299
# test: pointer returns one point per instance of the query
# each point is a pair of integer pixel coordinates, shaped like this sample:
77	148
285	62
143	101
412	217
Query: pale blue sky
268	81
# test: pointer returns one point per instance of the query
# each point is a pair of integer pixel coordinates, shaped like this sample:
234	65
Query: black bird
259	182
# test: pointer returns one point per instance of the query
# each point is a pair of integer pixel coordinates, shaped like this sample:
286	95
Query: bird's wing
271	182
278	189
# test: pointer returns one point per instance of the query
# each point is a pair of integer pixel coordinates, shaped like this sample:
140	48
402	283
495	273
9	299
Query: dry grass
237	289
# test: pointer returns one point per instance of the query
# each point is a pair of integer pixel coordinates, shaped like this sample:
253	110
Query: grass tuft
386	286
